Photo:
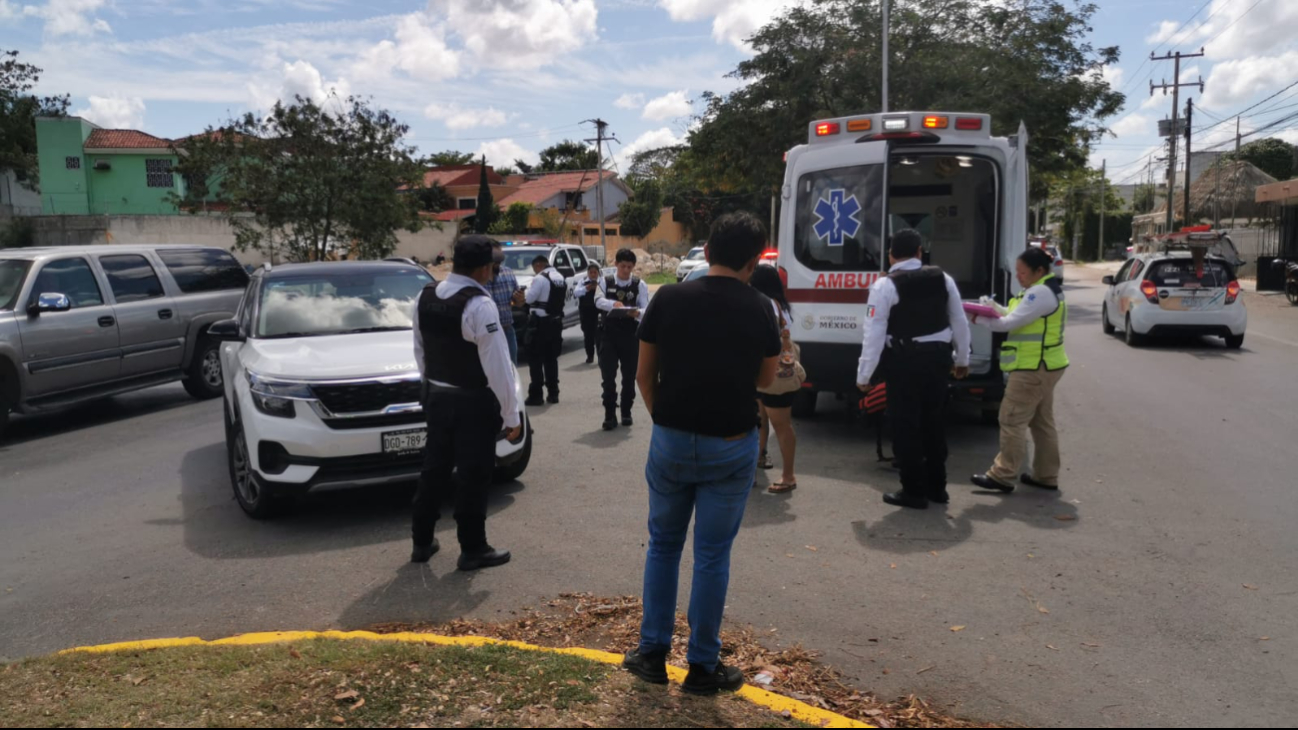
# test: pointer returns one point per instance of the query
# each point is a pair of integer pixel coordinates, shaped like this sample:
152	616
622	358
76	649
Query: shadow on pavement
118	409
433	592
601	439
215	527
766	509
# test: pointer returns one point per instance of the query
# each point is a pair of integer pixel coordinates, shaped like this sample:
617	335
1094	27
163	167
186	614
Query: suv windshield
12	273
348	302
521	261
695	255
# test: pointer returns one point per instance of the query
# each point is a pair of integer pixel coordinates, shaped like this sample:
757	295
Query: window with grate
72	163
159	173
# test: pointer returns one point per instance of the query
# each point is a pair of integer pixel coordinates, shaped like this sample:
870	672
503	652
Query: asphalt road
1140	595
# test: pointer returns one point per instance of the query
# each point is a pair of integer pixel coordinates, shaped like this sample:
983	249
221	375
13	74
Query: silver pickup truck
81	323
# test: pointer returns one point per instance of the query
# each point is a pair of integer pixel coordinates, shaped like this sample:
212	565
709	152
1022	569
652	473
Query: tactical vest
448	357
922	304
629	296
587	301
1042	340
553	306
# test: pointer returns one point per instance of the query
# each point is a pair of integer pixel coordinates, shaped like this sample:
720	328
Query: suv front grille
371	397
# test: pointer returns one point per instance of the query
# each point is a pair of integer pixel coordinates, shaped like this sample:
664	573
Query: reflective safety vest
1042	340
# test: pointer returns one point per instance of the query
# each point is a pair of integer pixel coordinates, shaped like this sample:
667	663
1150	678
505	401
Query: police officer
917	313
545	296
622	298
586	291
1034	357
470	385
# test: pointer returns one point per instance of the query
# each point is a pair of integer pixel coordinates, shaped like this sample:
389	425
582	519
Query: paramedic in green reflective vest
1033	356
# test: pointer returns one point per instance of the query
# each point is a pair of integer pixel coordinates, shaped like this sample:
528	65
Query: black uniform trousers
590	330
918	376
543	353
620	347
463	425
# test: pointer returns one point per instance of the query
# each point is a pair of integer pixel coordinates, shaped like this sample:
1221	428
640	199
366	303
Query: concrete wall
196	230
16	198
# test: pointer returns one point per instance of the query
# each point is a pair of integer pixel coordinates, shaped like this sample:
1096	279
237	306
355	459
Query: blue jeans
708	478
512	339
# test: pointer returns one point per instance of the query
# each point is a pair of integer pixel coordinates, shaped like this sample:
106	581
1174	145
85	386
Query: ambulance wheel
804	404
1109	329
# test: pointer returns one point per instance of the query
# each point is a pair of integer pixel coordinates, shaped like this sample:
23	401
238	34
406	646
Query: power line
1242	113
1171	42
1233	22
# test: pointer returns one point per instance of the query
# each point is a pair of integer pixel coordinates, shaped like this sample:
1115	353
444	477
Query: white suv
322	387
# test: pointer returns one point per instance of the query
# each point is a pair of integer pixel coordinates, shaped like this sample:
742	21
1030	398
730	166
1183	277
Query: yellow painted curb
779	703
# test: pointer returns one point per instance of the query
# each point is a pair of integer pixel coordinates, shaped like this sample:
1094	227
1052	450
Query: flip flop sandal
782	487
764	461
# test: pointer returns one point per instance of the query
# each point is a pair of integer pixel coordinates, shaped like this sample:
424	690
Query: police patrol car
861	178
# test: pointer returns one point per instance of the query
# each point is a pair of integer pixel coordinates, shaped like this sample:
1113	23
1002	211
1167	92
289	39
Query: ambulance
860	178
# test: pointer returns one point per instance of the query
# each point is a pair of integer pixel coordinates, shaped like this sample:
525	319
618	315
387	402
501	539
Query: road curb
777	703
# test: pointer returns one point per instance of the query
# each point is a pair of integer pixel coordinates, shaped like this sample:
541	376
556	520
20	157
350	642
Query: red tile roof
460	175
448	216
540	189
124	139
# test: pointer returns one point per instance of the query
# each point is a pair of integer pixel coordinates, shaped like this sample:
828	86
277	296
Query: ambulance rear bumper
832	368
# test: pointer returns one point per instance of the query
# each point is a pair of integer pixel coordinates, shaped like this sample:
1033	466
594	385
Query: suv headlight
276	397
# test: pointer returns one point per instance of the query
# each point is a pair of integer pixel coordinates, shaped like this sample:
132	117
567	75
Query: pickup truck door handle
164	314
107	321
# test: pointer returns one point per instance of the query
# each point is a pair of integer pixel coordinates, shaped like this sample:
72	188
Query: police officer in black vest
622	299
917	313
471	394
545	297
586	291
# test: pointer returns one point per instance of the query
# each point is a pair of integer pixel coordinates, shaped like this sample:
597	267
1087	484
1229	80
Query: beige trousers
1029	405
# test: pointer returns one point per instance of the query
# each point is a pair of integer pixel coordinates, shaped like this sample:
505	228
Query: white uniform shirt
538	293
480	325
583	287
605	304
883	297
1038	301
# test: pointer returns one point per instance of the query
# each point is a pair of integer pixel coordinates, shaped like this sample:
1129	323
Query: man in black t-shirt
706	346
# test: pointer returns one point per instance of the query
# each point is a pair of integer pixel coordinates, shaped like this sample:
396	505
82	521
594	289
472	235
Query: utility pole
886	12
1234	192
1175	86
600	126
1104	193
1189	133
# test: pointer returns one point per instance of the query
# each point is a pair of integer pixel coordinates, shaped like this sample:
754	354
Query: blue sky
509	77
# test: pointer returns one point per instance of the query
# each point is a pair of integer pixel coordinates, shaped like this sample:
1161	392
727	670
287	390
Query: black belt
912	346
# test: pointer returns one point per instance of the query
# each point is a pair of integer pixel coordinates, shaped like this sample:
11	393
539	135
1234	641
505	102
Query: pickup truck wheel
507	474
204	380
253	498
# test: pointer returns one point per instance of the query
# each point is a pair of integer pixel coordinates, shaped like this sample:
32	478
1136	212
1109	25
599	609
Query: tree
640	214
487	211
568	155
18	111
1273	156
448	158
1026	60
318	180
505	171
514	219
435	198
523	167
1145	200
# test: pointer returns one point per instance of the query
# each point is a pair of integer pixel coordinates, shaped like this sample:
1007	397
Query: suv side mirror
1109	280
50	302
227	330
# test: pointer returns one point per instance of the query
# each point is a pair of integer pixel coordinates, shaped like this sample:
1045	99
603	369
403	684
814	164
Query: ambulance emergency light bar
913	126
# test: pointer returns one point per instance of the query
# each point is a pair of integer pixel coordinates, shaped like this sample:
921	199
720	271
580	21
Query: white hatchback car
1168	294
690	262
322	388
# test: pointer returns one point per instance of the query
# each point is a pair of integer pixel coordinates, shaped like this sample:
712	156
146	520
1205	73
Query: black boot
626	417
651	667
487	557
610	419
424	553
534	398
904	499
702	682
554	397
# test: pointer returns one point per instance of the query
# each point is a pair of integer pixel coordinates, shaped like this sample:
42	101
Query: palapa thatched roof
1225	188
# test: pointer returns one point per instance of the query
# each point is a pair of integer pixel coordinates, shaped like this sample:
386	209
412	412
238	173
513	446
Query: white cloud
1289	135
733	21
456	117
651	140
629	101
519	34
114	112
668	106
8	11
503	152
1135	125
1163	33
1156	101
1234	29
299	78
68	17
1113	75
420	50
1234	82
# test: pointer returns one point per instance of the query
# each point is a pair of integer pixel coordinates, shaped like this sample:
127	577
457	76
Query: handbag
790	375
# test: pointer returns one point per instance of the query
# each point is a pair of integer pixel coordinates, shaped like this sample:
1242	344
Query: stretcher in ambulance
861	178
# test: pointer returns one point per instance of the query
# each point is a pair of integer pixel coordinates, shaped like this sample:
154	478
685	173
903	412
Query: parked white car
690	262
322	387
1167	294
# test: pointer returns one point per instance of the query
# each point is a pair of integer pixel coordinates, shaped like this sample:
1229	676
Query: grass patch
331	683
662	277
